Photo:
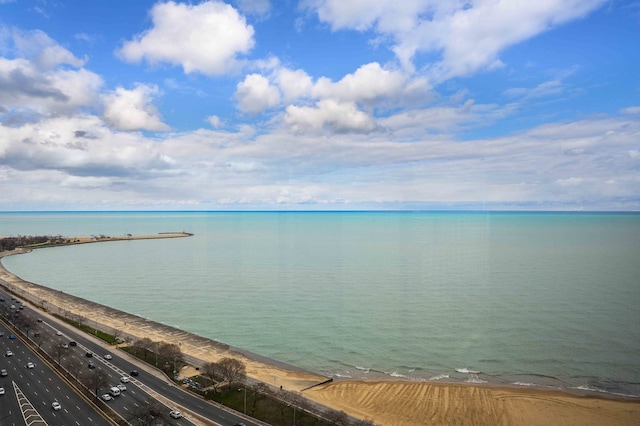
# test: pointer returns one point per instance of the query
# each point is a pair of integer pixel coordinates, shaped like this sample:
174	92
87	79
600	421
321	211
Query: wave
467	371
473	378
439	377
592	388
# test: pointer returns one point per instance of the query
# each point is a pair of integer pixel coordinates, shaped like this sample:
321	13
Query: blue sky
320	105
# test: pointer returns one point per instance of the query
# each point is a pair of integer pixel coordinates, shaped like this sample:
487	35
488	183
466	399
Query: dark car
134	372
91	366
88	354
73	343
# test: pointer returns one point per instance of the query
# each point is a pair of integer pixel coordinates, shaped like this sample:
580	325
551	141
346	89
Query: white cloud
339	117
631	110
254	7
293	84
255	94
44	52
468	35
215	121
205	38
24	88
369	83
132	109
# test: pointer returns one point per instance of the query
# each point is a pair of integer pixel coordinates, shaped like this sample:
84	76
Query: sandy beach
382	402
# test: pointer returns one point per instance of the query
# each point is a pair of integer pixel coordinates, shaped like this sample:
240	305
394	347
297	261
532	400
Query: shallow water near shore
540	299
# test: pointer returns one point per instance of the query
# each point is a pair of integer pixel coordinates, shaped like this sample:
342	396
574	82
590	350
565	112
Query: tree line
12	243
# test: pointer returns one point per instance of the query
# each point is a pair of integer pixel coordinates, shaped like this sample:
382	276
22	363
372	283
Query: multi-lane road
30	392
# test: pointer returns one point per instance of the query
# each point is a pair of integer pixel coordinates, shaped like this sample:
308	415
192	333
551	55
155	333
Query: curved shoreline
394	401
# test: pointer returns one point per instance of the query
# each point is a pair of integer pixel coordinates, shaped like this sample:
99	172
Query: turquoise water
546	299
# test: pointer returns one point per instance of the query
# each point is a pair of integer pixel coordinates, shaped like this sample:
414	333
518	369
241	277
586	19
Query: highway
149	388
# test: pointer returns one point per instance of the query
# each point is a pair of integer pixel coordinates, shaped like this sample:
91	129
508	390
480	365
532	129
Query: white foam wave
467	371
524	384
590	388
396	374
474	379
366	370
440	377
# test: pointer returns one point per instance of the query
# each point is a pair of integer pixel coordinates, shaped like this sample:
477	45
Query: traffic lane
122	366
42	386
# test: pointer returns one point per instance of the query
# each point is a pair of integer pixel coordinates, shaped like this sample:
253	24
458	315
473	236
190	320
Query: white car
65	345
9	353
175	414
108	356
106	397
58	333
1	391
124	379
121	387
31	365
56	405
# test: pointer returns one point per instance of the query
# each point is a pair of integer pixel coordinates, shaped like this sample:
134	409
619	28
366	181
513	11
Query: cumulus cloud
255	94
468	35
339	117
206	38
215	121
41	79
132	109
293	84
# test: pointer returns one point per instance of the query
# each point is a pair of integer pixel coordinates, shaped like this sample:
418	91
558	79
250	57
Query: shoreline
393	401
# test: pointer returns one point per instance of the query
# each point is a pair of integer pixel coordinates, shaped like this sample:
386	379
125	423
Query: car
106	397
134	373
64	345
1	391
56	405
1	333
31	365
12	337
88	354
121	387
73	343
91	366
108	356
9	353
39	319
124	379
3	372
58	333
175	414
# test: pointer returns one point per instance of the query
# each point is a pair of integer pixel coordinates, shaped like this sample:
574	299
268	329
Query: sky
320	105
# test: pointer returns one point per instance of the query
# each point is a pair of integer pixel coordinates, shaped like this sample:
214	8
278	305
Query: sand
382	402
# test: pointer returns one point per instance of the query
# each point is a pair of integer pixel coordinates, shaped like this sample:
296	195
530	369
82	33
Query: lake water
544	299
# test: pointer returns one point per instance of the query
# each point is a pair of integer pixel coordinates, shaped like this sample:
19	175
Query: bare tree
232	370
171	353
95	380
260	391
144	344
73	367
58	352
149	413
211	370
